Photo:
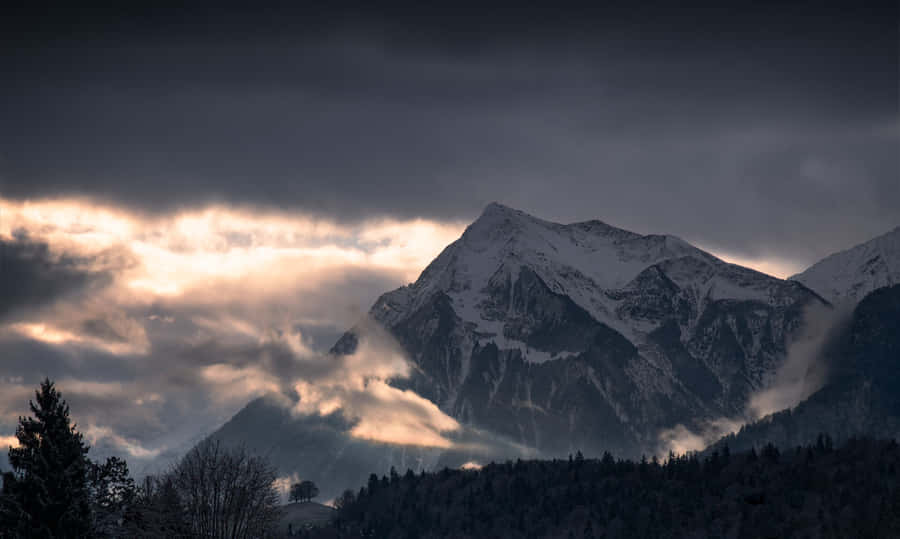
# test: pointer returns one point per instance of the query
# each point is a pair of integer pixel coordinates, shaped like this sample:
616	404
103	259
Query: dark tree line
815	491
56	491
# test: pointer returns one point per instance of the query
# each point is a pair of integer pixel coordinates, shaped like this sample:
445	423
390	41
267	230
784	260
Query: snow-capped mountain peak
586	261
560	335
848	276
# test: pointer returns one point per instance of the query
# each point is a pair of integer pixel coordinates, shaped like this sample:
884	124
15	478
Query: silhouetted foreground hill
806	492
297	516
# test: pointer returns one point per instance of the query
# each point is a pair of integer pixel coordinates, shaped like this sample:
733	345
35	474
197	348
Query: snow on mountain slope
850	275
584	261
586	335
553	338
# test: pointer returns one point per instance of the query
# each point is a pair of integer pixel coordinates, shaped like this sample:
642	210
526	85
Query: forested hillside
815	491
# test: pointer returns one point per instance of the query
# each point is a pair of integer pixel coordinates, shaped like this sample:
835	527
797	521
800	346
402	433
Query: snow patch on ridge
848	276
587	261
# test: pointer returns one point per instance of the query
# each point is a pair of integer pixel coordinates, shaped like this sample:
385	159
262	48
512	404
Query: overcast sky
256	177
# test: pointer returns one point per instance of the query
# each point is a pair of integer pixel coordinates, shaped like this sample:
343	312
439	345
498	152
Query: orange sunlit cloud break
231	276
168	288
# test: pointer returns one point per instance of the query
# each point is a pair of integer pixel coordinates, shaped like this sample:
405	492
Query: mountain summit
584	335
850	275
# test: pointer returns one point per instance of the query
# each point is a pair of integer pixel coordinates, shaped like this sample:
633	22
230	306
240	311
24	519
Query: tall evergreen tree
46	494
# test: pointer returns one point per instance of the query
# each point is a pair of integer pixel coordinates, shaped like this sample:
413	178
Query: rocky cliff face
586	336
862	397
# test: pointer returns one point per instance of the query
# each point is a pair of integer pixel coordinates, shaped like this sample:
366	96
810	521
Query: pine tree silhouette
46	494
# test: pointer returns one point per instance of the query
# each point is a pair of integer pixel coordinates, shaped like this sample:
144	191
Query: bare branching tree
226	492
160	512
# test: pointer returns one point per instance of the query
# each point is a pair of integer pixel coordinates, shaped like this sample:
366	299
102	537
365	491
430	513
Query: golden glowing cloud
403	417
382	413
47	333
202	249
8	441
241	279
217	257
240	384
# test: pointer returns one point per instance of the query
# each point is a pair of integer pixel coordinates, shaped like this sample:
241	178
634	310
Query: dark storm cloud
33	360
32	277
738	128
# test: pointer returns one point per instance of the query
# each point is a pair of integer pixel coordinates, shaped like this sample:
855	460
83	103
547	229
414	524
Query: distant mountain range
565	337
